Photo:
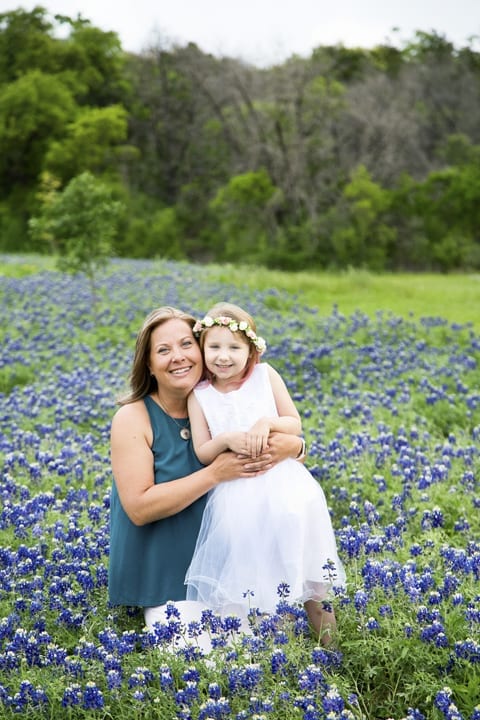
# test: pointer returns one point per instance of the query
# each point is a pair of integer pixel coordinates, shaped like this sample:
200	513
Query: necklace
184	430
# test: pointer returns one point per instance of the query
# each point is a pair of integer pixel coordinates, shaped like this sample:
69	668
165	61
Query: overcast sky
267	31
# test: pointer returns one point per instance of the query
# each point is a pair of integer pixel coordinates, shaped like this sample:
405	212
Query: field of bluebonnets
391	411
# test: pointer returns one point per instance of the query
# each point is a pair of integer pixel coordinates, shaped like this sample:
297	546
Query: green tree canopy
92	141
80	224
34	110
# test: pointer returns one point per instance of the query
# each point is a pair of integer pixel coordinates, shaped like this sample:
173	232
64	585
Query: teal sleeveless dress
147	564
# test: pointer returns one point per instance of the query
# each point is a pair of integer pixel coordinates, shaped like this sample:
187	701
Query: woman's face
175	358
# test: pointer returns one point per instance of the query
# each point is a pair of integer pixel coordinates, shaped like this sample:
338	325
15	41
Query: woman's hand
228	466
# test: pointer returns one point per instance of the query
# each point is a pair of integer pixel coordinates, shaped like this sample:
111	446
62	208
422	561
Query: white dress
258	533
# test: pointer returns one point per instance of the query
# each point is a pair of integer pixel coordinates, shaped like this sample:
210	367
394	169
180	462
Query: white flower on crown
261	344
233	326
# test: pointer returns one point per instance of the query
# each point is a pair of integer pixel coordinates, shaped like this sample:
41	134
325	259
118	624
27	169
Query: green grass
456	298
453	297
25	264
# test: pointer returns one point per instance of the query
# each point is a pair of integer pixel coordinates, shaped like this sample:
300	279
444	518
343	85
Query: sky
264	32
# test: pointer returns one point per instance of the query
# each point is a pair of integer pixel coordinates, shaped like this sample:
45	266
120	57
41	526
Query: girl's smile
226	354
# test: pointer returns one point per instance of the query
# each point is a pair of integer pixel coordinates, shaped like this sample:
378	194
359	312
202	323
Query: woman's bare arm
132	466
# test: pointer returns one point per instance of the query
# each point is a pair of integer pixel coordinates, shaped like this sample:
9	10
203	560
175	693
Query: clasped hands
253	442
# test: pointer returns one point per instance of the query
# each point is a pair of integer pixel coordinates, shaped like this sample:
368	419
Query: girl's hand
257	437
238	443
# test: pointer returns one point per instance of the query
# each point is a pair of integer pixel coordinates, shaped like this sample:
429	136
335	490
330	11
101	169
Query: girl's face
226	354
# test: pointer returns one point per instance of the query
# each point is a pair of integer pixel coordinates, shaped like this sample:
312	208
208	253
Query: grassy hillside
456	298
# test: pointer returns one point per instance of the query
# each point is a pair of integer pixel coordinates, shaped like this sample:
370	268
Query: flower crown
233	326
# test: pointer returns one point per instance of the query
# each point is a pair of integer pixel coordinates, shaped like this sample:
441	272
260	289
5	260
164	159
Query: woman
160	487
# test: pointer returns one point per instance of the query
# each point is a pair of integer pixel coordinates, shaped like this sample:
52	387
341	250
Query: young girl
255	535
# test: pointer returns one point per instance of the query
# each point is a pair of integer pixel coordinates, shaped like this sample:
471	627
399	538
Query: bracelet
303	451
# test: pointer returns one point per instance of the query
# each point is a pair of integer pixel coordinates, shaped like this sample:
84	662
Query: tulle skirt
259	534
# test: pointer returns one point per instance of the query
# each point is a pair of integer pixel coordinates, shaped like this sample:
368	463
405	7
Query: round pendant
185	433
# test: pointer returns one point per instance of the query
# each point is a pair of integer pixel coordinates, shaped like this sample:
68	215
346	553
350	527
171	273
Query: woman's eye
187	343
162	351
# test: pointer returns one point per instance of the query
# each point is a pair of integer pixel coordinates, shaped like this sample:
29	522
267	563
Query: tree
26	43
80	223
361	236
245	212
95	62
92	141
61	109
34	110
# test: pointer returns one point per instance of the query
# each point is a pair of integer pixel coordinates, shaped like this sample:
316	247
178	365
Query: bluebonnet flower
216	709
416	549
385	610
408	630
414	714
281	638
244	677
332	702
28	695
140	676
468	649
278	660
327	658
283	590
311	712
191	674
114	679
360	600
211	621
214	690
443	701
431	632
166	677
72	695
188	694
92	697
74	667
441	640
231	623
139	696
372	624
311	678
